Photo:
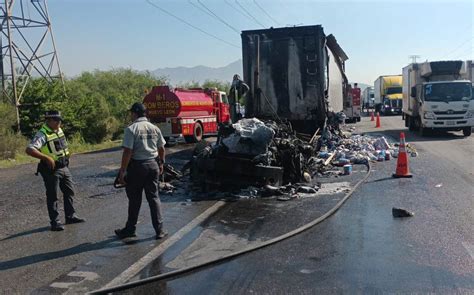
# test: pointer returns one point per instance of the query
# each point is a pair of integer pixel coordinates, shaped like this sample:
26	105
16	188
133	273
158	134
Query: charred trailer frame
286	69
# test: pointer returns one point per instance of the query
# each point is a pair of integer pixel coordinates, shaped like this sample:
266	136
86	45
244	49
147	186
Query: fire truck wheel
197	134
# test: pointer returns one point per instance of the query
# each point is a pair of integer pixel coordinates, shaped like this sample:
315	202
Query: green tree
221	86
10	141
95	107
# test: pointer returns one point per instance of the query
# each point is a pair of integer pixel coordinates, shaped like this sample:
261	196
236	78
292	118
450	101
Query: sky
378	36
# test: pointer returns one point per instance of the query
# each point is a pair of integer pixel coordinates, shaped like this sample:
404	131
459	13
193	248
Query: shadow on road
110	243
413	137
381	179
28	232
112	149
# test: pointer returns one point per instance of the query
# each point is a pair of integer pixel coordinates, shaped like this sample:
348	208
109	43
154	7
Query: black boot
161	233
57	226
74	219
124	233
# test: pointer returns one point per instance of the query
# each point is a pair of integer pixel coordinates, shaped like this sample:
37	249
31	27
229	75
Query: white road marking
135	268
85	275
469	248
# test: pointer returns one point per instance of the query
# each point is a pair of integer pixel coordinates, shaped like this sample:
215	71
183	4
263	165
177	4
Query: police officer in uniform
142	163
50	146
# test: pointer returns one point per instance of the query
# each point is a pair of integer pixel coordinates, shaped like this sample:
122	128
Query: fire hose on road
275	240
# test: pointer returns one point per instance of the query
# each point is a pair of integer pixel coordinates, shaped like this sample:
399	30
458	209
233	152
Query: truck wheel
411	123
197	134
423	131
467	131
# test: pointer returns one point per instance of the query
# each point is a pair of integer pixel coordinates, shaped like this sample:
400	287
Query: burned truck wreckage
297	82
256	153
296	74
273	156
292	134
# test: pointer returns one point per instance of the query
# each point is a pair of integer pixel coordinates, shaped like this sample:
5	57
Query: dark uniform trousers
54	180
143	175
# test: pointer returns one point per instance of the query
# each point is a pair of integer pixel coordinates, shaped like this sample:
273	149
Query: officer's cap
53	114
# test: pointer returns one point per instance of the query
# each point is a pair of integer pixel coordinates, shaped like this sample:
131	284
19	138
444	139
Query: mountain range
200	74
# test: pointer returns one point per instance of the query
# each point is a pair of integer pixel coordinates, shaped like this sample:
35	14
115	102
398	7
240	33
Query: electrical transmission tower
414	58
27	48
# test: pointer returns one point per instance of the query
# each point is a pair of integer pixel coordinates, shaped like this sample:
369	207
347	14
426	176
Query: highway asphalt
361	249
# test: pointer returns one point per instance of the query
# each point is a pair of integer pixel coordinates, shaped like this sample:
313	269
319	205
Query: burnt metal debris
400	213
254	158
269	153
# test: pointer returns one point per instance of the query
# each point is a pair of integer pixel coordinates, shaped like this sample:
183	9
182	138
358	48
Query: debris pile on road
266	157
170	174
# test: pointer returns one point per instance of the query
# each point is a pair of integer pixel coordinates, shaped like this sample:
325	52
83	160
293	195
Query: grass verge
78	148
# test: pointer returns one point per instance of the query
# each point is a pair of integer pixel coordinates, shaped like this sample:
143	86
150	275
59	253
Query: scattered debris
287	197
347	169
170	173
306	190
273	159
166	188
398	213
334	188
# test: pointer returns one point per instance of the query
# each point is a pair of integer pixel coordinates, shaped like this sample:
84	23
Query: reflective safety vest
56	144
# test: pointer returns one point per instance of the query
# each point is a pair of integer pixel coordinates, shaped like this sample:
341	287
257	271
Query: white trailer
336	84
469	70
368	98
438	96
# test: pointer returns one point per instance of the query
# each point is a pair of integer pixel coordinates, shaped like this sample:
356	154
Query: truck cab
392	101
448	105
221	105
388	94
437	95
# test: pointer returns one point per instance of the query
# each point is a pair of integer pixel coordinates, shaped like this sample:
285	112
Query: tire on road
197	134
467	131
411	123
424	131
421	130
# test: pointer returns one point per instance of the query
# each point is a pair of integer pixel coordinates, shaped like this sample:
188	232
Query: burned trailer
288	72
337	90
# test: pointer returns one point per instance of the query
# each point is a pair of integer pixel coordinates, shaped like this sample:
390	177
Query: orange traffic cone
372	116
402	162
377	123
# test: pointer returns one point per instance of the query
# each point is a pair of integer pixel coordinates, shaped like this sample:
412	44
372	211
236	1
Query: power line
200	8
191	25
218	17
249	14
459	47
237	9
469	51
264	11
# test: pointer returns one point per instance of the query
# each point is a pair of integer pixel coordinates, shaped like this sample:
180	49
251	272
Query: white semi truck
368	100
438	95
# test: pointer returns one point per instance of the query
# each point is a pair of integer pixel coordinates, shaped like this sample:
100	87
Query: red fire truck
189	113
352	103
